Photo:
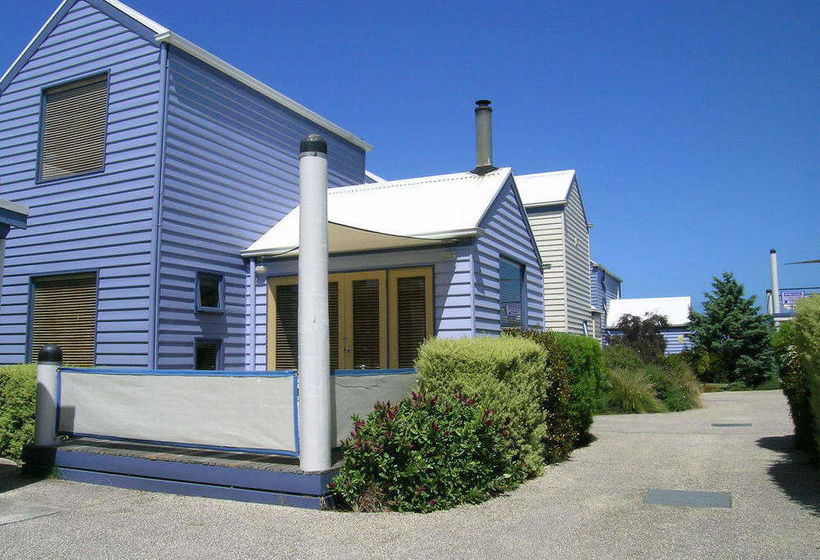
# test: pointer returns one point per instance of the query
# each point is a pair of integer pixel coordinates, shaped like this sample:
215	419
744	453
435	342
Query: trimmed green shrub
510	376
629	391
18	390
562	432
794	382
807	356
425	454
586	372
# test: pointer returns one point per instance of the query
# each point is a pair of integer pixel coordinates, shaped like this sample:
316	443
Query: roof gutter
212	60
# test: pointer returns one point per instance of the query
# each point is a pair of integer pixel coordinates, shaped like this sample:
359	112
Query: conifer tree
733	334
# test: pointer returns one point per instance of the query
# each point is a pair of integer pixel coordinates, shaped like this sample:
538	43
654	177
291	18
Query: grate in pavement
732	425
688	498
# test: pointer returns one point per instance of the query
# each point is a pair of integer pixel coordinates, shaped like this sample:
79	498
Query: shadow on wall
794	473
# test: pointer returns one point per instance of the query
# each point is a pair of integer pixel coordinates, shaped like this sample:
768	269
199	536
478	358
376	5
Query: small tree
644	336
733	333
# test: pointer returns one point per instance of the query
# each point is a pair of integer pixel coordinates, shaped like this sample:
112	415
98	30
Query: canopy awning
394	215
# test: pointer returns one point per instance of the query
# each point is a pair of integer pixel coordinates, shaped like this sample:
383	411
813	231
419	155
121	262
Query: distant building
555	210
605	286
675	309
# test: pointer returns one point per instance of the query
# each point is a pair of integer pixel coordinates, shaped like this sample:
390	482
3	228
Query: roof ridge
412	181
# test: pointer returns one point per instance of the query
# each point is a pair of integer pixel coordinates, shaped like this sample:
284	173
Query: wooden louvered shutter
411	313
412	316
65	313
287	326
367	324
73	131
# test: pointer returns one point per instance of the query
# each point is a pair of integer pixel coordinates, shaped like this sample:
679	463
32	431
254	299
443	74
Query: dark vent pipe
483	137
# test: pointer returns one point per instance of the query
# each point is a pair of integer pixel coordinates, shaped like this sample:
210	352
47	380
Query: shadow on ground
12	478
794	473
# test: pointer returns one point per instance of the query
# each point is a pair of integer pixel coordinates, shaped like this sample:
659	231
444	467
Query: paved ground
589	507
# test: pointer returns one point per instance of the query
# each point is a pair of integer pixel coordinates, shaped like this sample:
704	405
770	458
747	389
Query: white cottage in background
675	309
556	214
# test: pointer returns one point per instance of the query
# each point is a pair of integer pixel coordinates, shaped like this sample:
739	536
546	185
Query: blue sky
694	126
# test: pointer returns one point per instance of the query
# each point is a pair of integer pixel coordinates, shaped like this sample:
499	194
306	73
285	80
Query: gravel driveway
589	507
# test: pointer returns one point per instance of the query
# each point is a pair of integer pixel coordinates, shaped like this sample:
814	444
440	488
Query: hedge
797	346
576	372
510	377
18	389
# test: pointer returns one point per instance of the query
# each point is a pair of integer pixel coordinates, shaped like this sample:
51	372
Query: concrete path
589	507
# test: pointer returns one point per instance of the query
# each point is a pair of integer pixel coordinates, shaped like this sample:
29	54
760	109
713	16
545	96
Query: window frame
38	175
220	354
197	296
393	276
522	292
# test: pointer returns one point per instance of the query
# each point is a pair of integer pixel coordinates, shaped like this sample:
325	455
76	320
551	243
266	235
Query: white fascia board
135	15
212	60
373	177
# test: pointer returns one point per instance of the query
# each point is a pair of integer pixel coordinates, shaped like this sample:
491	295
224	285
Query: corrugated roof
538	189
675	309
165	35
416	211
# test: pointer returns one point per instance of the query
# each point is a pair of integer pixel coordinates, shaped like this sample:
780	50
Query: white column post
314	330
775	283
45	423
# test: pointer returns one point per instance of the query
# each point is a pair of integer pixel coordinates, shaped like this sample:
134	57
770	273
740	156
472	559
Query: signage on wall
512	312
788	298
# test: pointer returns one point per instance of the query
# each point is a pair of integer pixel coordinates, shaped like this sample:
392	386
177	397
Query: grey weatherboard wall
101	221
160	209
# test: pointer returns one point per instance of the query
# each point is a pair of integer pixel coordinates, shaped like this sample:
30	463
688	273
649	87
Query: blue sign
790	297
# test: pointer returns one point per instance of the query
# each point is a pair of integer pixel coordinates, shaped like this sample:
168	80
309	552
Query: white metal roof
675	309
394	214
165	35
538	189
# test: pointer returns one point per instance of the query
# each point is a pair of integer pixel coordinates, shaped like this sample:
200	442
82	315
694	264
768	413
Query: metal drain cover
688	498
731	425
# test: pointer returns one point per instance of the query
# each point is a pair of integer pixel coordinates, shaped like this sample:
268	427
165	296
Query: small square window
207	354
210	290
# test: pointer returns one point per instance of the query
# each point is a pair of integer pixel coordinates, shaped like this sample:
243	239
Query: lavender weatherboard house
605	286
675	309
162	183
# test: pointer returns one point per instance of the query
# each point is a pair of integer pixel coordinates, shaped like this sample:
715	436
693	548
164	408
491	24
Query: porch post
45	420
314	330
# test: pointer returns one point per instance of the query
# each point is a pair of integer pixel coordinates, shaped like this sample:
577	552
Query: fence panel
249	411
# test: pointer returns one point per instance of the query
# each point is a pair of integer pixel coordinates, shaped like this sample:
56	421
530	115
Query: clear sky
694	126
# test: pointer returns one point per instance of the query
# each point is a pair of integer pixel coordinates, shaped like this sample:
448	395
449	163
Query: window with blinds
65	313
207	354
511	293
73	129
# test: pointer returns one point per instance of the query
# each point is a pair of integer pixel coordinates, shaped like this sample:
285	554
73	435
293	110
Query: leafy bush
644	336
18	389
583	355
621	357
424	454
682	389
806	339
629	391
562	433
511	377
670	382
794	381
